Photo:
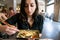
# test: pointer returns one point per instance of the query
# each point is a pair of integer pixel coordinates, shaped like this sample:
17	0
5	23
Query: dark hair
10	8
4	10
22	10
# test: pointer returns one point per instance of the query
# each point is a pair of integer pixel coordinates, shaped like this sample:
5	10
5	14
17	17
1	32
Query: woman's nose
29	8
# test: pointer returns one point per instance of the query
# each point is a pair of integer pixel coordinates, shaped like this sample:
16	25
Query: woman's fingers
11	30
14	28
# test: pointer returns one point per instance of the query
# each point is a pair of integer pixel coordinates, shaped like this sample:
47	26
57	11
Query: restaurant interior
51	14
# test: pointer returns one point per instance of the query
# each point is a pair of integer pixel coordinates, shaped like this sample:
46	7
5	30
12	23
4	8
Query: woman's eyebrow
30	3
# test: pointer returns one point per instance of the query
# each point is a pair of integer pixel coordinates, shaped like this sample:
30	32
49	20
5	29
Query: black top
22	24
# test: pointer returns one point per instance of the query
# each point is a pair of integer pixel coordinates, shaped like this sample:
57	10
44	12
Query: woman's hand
9	30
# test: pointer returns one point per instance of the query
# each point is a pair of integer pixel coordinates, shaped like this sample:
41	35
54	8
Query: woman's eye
26	5
32	5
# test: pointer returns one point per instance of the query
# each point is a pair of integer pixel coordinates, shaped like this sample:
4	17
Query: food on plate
28	34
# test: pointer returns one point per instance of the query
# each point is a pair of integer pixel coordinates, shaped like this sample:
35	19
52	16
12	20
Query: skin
12	13
5	28
30	7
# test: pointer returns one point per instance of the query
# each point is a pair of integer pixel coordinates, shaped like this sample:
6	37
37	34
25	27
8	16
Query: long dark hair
22	10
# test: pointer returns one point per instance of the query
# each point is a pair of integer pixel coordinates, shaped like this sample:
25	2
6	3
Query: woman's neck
30	21
29	17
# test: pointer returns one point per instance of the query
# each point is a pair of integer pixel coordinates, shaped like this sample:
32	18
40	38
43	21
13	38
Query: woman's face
30	7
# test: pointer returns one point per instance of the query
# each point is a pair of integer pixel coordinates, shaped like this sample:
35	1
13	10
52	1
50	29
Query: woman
28	17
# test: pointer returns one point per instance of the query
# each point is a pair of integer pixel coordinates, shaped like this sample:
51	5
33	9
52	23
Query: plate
28	34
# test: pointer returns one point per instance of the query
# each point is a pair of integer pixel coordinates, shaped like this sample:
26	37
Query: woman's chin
30	14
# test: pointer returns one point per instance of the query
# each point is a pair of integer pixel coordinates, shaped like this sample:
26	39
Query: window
50	9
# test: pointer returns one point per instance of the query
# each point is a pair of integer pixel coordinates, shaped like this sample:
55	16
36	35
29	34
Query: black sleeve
40	22
12	20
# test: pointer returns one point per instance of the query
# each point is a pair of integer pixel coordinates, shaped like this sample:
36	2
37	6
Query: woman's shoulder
39	16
